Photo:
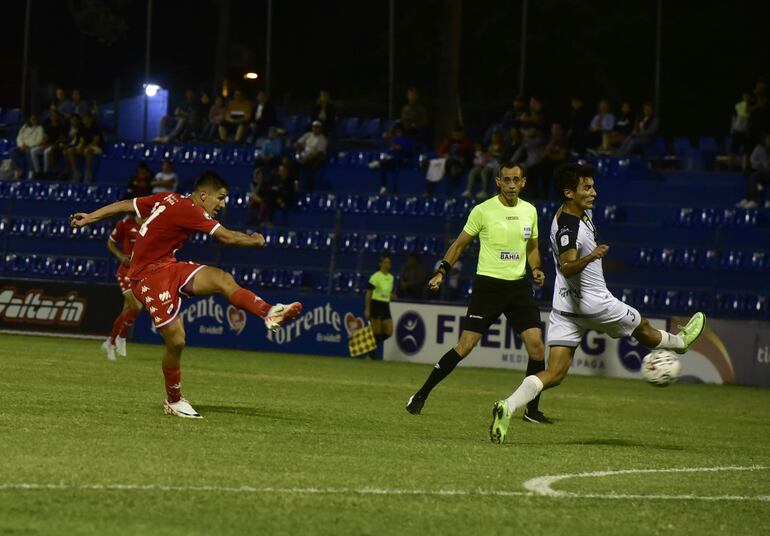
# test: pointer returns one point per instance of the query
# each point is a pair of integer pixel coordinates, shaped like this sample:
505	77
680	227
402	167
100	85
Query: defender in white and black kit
581	300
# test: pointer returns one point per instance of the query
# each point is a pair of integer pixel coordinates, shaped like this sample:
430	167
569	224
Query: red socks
124	321
173	379
128	320
246	299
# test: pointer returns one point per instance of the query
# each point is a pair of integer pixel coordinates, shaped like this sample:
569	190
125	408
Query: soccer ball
661	367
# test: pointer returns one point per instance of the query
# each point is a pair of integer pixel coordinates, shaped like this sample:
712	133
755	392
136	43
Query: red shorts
160	290
123	281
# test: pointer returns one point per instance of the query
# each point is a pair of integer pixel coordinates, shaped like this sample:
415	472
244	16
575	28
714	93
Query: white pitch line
542	485
22	486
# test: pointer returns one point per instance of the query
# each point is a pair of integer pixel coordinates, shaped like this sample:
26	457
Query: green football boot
501	418
691	331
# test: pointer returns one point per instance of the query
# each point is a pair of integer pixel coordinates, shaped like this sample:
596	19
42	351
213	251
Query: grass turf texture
69	417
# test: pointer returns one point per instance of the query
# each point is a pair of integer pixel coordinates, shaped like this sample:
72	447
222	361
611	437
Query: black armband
445	266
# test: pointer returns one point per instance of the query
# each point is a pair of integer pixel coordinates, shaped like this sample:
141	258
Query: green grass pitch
311	445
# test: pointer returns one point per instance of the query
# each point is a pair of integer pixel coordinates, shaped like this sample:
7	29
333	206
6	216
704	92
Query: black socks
440	371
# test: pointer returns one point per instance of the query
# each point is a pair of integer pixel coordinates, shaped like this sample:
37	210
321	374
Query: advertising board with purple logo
727	352
323	327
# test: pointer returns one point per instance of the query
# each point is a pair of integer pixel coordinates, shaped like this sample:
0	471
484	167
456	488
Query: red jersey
124	234
171	218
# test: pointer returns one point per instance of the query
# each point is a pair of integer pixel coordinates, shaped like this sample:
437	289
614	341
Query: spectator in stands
486	165
530	153
62	104
183	123
414	116
80	106
88	146
311	152
325	112
602	123
269	150
399	151
456	151
140	182
644	131
166	180
412	279
237	115
555	153
270	191
29	138
216	115
739	132
622	129
759	176
513	142
578	120
264	117
513	116
55	135
535	114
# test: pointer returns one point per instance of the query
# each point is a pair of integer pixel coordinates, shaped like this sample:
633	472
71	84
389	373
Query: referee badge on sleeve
361	341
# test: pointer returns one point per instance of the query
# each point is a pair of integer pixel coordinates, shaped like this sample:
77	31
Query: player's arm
238	239
115	250
450	257
81	219
569	264
533	259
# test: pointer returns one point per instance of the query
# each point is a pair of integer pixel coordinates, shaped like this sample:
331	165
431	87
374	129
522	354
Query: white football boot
181	408
280	313
109	349
120	346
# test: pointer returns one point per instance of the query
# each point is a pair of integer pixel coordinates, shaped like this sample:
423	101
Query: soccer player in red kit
121	244
158	280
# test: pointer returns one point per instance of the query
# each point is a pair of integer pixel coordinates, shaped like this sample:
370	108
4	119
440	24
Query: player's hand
538	277
79	219
435	281
259	239
126	261
600	251
367	314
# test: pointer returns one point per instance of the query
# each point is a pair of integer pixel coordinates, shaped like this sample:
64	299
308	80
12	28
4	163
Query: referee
507	229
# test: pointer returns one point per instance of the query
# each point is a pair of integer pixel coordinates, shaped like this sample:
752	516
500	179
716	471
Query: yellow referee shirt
503	234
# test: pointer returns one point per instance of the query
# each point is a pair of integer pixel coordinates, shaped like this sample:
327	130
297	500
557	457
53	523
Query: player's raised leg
654	338
442	369
174	338
211	280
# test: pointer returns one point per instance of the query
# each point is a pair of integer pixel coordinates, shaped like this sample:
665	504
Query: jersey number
156	211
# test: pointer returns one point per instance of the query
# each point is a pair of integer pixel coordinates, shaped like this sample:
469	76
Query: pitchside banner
58	307
728	352
322	329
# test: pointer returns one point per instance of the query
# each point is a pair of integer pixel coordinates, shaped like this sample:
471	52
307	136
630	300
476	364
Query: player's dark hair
510	165
567	176
210	180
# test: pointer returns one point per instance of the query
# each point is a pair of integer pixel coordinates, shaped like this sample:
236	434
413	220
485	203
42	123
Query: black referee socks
440	371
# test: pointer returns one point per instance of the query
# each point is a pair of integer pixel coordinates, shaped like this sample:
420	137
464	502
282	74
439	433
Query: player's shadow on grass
620	442
249	412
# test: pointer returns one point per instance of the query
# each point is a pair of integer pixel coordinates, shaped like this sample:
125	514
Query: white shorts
616	320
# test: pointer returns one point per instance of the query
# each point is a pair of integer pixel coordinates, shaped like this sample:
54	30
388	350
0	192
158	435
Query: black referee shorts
380	310
493	297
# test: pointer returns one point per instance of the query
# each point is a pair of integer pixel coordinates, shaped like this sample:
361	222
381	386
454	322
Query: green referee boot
501	418
691	331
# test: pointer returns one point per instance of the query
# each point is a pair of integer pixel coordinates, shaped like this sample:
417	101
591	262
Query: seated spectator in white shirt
166	180
603	122
311	152
31	135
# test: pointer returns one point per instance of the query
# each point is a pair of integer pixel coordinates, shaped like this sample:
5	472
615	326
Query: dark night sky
599	47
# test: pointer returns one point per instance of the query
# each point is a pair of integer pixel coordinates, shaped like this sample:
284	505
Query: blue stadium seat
348	242
686	258
732	260
370	129
296	278
656	149
756	261
682	147
347	127
708	259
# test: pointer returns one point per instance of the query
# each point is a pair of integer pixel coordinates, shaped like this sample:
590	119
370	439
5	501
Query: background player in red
121	244
158	279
